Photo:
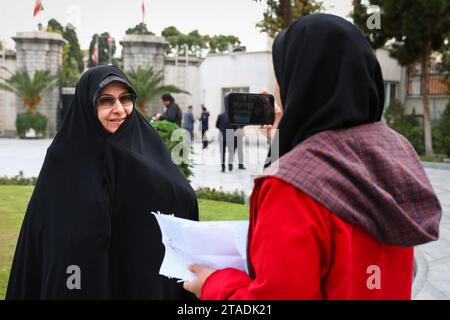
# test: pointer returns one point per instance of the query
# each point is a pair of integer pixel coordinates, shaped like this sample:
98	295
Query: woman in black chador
88	232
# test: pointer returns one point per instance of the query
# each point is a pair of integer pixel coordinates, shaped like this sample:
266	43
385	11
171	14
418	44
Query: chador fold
88	232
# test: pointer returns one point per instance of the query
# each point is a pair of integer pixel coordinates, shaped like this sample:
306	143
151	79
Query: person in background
204	125
230	143
173	112
188	122
223	125
338	213
239	145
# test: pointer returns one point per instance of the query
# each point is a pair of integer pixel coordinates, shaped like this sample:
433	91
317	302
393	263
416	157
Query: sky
235	17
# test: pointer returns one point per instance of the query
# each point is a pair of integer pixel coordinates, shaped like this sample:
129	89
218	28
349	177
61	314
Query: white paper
215	244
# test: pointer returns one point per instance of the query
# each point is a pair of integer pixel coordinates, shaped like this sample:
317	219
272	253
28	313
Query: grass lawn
14	200
435	158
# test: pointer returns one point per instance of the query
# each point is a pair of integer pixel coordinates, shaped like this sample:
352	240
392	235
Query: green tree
197	43
104	51
53	25
176	39
412	31
406	125
149	84
69	33
70	73
74	50
444	131
29	89
140	28
220	43
280	14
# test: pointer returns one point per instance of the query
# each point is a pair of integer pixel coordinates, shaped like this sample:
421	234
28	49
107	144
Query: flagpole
110	58
98	51
110	49
38	7
143	13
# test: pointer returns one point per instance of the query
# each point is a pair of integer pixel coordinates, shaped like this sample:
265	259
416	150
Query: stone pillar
145	51
41	50
7	99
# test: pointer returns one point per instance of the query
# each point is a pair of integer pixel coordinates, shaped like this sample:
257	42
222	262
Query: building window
236	89
390	92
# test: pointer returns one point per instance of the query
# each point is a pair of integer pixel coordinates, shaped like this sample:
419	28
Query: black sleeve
170	114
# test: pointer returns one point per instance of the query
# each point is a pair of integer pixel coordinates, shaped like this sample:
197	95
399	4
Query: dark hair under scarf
91	208
329	78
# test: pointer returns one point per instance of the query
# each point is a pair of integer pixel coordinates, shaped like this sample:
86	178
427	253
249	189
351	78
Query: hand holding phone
244	109
268	130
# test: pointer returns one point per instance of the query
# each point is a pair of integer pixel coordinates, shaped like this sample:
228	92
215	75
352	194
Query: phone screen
249	108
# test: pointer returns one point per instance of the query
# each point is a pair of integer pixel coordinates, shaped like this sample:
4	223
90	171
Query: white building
209	79
404	84
183	72
234	72
394	77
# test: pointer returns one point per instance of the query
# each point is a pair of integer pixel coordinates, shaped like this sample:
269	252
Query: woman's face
114	103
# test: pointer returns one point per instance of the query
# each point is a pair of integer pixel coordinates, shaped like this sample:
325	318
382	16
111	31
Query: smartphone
249	108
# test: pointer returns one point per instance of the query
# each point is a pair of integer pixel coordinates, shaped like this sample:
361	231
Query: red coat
300	250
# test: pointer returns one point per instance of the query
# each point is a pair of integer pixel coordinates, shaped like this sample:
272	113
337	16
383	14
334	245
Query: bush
415	135
407	125
18	180
30	120
165	130
442	133
219	195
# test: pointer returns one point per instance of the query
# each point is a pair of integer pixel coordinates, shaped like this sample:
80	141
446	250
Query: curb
436	165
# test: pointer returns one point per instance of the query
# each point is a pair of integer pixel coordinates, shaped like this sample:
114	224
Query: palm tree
29	90
148	84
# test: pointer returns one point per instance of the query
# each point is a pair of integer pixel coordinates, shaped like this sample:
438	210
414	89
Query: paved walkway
432	259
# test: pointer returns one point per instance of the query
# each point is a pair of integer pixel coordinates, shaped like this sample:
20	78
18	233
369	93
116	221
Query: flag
143	11
38	7
95	53
110	41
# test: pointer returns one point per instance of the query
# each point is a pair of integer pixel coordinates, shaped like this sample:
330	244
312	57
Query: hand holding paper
215	244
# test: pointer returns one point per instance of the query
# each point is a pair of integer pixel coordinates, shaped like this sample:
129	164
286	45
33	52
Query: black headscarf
329	78
91	208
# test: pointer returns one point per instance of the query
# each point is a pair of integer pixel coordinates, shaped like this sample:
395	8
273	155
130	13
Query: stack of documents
215	244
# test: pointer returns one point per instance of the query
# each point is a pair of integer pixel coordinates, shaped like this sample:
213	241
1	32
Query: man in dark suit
173	112
231	143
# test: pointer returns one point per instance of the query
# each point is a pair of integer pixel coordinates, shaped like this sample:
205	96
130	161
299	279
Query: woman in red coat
337	214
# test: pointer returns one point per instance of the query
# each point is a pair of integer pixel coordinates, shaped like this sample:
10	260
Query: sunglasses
126	100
